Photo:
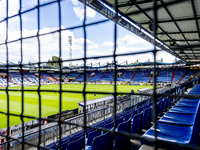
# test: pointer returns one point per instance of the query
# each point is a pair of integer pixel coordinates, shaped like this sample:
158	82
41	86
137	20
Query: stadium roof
178	23
109	65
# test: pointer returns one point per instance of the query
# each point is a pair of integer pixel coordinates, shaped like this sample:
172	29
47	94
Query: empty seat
146	117
183	110
175	133
175	118
109	125
102	142
92	135
136	123
76	145
121	140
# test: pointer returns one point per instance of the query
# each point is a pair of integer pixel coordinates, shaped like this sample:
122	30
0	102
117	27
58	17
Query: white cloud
79	11
49	45
109	43
75	2
81	41
92	47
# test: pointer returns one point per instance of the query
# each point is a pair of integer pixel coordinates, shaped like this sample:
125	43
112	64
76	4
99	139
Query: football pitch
50	100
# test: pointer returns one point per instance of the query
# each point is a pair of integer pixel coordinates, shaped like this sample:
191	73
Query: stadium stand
141	76
173	129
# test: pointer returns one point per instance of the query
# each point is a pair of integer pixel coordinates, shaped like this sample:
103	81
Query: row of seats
181	124
132	120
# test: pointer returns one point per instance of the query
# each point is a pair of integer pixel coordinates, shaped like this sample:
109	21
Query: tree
53	60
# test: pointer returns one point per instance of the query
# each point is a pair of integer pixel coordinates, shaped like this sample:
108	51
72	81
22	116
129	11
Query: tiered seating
108	77
165	75
180	72
126	76
188	75
131	120
179	125
90	78
17	78
69	75
47	77
81	78
141	76
31	77
97	77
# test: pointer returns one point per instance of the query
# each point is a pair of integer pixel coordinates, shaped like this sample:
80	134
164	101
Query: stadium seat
136	123
76	145
174	134
120	120
102	142
159	108
109	125
65	144
127	116
164	104
185	103
180	125
78	136
92	135
121	140
183	110
175	118
146	117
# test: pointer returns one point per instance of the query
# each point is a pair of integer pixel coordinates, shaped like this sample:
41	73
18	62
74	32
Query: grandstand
166	116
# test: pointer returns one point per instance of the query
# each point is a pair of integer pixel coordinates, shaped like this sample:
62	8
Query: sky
99	38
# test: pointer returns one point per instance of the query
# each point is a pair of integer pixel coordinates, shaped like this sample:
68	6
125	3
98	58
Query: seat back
78	136
134	112
65	144
146	117
76	145
127	117
92	135
120	139
109	125
102	142
119	120
88	131
136	123
196	127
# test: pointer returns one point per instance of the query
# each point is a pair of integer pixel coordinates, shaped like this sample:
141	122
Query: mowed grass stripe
50	100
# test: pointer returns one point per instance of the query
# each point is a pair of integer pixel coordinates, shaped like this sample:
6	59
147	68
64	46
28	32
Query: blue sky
99	37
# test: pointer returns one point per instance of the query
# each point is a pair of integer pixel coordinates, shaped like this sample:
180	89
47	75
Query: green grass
50	100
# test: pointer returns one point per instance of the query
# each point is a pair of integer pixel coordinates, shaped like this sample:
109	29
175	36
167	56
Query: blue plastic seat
159	108
127	117
175	133
102	142
180	119
65	144
136	123
121	140
76	145
195	100
134	112
140	109
88	131
78	136
109	125
164	103
119	120
183	110
188	104
146	117
92	135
